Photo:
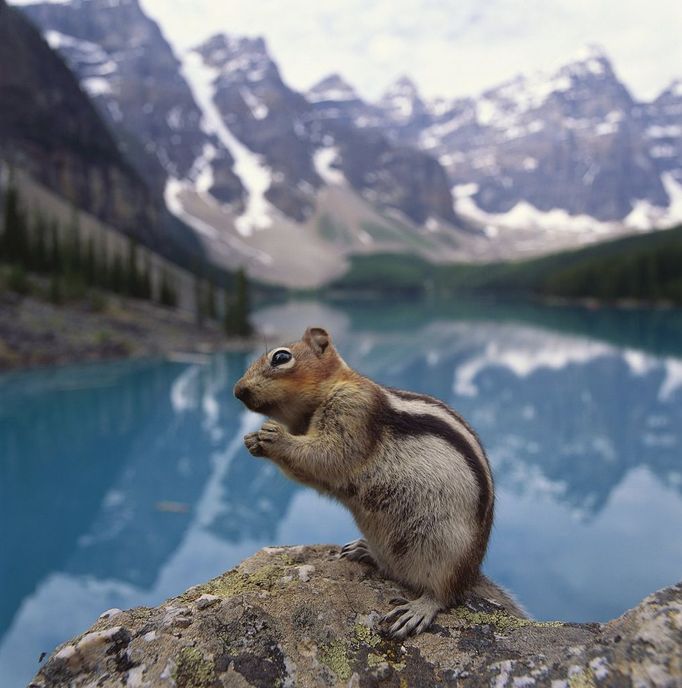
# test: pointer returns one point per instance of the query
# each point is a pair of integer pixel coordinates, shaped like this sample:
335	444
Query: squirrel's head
289	382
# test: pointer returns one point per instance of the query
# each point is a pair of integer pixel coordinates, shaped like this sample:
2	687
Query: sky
449	47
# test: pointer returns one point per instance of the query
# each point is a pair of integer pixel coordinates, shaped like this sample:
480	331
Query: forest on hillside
642	268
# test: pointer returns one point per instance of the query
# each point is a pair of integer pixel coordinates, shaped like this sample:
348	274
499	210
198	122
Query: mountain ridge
528	167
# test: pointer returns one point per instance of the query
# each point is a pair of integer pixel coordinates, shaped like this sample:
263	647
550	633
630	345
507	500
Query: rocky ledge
298	616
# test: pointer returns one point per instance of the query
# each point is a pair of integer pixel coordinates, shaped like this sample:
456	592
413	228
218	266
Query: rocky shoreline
36	333
298	616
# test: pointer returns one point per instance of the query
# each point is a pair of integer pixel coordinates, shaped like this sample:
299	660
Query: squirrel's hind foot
411	618
358	550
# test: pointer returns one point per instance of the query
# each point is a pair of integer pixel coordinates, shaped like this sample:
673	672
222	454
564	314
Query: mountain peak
232	45
590	60
402	87
401	100
239	58
591	51
332	88
674	89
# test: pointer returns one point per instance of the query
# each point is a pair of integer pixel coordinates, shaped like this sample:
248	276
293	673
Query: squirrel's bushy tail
494	593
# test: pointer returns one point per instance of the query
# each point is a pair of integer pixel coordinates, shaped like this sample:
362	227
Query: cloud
450	47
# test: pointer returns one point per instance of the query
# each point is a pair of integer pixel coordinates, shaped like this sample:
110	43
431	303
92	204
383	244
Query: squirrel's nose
241	391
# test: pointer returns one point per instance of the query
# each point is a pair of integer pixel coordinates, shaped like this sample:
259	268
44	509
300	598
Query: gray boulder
297	616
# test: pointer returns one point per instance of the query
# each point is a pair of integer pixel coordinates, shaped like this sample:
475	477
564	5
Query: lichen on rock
301	617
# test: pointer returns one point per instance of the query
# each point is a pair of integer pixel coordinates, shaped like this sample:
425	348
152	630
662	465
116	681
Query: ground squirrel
411	471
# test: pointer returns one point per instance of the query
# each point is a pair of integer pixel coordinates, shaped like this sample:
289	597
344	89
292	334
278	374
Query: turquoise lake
122	484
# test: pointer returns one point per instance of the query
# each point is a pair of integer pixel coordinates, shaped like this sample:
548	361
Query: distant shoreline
589	303
35	333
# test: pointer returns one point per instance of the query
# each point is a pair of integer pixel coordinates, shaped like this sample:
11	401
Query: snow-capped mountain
240	156
403	105
570	148
536	164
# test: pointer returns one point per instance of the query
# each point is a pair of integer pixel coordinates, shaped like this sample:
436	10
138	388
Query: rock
301	617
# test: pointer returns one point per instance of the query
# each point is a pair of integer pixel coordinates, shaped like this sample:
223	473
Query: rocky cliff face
49	127
299	616
662	124
265	115
130	72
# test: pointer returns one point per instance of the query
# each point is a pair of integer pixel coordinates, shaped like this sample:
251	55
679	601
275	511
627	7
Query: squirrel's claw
357	550
411	618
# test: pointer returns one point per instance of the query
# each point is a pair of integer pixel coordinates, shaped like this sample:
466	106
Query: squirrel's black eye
280	357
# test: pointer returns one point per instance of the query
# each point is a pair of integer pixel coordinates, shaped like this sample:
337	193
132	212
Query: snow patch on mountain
174	188
255	175
258	108
645	215
331	89
324	159
202	170
526	216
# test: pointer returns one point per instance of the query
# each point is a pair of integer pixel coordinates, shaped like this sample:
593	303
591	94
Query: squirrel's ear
317	339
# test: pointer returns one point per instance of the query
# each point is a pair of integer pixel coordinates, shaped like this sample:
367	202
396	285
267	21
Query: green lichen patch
365	649
287	560
366	635
501	620
236	582
335	657
375	659
193	670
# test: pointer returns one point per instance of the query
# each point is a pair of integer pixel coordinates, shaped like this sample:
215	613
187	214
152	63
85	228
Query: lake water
123	484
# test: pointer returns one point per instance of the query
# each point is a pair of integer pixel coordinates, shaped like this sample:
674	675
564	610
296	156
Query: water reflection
123	484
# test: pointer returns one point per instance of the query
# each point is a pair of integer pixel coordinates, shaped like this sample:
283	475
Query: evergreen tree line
649	274
73	263
76	265
236	303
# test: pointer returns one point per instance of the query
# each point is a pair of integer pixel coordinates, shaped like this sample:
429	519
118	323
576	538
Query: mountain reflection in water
122	484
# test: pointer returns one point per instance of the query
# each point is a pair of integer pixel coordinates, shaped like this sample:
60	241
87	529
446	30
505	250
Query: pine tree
39	251
167	296
237	309
90	263
132	284
146	278
117	279
56	260
102	276
73	257
15	232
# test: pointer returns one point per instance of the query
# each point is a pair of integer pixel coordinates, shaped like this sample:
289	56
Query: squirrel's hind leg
358	550
412	617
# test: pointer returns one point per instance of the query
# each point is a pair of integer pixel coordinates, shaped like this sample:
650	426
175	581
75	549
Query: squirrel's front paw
269	436
253	444
265	442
